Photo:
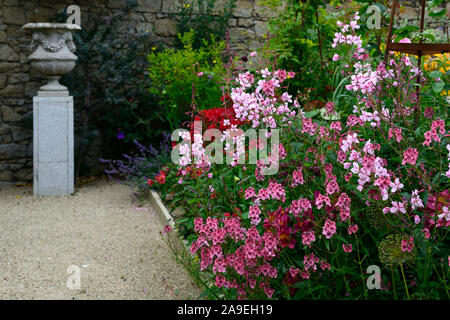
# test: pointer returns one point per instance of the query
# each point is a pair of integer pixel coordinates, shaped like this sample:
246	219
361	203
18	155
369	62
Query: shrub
187	76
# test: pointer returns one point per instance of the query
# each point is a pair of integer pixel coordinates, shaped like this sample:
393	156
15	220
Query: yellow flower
188	5
17	197
214	61
439	62
153	48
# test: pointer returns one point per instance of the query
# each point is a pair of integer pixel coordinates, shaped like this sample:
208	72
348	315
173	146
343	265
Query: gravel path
117	248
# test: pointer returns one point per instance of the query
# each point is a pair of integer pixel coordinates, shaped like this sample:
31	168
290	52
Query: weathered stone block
260	28
169	6
243	9
10	114
115	4
31	88
266	12
12	151
150	17
14	15
4	129
44	14
137	17
6	175
21	134
3	78
165	27
2	36
7	53
10	2
12	90
6	138
18	78
7	66
25	174
144	28
238	34
244	22
221	5
148	6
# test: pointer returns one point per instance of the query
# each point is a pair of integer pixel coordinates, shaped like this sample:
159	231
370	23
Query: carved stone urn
52	50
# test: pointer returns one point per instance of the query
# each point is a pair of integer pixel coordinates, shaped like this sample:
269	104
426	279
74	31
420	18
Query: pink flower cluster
329	228
250	260
263	104
407	245
410	156
432	135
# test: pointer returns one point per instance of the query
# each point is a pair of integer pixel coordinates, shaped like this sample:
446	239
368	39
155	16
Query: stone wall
18	84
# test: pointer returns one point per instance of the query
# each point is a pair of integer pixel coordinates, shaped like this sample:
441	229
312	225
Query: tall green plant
206	17
186	76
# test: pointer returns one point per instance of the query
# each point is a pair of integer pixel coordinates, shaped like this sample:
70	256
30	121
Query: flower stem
393	284
404	281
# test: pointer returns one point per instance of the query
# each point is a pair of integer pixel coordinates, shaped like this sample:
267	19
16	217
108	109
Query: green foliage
300	36
205	17
186	76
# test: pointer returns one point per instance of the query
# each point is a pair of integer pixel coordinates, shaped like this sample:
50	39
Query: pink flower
324	265
352	229
336	57
166	229
410	156
344	214
253	54
253	214
416	219
405	40
396	185
347	247
200	74
407	245
320	199
308	238
220	281
297	177
293	271
397	206
329	229
249	193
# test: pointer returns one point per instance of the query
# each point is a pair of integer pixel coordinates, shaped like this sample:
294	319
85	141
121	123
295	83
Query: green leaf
438	13
435	74
438	86
312	113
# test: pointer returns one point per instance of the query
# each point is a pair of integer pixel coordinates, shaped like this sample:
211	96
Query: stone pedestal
53	143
